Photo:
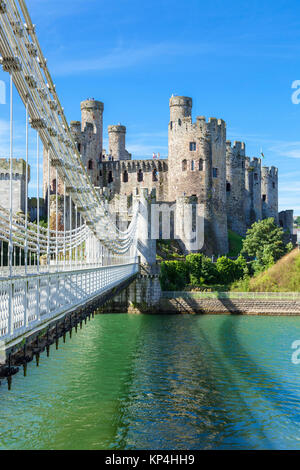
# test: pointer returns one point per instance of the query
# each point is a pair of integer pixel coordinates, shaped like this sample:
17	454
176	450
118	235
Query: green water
161	382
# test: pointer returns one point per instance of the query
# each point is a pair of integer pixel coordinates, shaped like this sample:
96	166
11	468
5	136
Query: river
161	382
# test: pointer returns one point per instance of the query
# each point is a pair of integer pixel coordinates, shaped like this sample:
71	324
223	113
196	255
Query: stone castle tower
197	167
88	136
116	136
202	167
18	186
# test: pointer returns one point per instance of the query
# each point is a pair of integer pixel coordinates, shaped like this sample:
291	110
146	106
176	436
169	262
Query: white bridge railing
46	272
30	302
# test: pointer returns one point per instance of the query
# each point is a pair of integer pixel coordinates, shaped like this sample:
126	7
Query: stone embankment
229	306
144	296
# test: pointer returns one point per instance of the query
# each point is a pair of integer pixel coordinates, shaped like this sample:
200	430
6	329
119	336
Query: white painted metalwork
45	273
29	302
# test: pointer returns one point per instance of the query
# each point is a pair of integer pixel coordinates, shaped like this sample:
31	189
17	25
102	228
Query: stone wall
197	167
143	295
228	306
235	187
234	190
269	189
18	184
123	177
117	145
286	220
253	206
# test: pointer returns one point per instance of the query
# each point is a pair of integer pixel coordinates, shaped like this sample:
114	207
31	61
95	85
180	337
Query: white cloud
124	57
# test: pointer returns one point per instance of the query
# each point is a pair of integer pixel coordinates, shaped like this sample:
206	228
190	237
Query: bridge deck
27	303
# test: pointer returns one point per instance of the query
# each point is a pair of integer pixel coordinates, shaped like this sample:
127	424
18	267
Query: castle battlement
18	183
269	171
252	163
237	150
18	167
200	129
117	142
75	126
92	105
135	165
202	165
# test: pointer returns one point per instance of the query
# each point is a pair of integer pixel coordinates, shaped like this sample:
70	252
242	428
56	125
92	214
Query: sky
237	60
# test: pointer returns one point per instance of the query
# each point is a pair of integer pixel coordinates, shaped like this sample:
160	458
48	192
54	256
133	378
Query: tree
201	269
230	270
173	275
264	242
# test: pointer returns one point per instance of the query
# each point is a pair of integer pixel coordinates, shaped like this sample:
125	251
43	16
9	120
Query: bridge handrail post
26	289
48	294
37	298
11	308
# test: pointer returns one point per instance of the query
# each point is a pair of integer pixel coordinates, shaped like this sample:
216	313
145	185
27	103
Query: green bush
201	270
264	242
173	275
230	270
235	243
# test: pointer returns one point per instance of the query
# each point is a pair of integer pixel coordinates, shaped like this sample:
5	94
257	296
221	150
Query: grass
235	243
169	250
208	288
284	276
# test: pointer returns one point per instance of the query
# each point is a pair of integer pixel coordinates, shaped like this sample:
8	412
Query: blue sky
237	61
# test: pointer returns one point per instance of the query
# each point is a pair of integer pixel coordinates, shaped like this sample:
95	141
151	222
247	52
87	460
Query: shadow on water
230	389
173	397
255	374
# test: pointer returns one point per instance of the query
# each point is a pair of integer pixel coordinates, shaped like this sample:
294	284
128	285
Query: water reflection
161	382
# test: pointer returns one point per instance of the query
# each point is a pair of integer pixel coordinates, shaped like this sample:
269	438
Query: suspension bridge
48	274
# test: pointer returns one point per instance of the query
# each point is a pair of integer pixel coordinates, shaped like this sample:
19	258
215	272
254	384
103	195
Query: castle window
255	176
273	184
264	197
54	185
200	164
215	172
125	177
192	165
154	175
110	177
90	164
140	176
184	165
100	172
228	187
193	146
79	147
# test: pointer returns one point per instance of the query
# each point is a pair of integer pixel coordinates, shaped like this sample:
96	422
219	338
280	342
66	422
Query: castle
18	184
202	166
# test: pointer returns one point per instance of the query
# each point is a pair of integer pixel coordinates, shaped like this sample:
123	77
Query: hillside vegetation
235	243
284	276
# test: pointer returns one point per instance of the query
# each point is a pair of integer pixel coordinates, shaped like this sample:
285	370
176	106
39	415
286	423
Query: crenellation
18	186
202	165
269	192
